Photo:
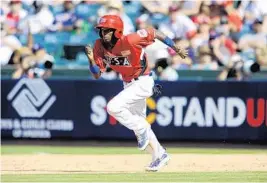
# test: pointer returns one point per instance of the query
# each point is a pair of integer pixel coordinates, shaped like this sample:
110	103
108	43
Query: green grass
130	177
18	149
143	177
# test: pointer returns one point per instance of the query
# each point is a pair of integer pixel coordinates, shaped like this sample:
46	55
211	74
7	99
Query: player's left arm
145	37
169	42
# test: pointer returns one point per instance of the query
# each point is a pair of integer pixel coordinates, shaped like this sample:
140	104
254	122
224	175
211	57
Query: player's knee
113	107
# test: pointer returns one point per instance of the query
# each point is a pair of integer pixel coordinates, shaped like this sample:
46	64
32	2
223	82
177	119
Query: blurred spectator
156	11
156	6
224	26
22	51
202	36
223	47
225	8
143	22
203	16
229	73
252	10
156	51
257	38
46	2
180	64
179	25
80	27
211	30
205	59
163	68
177	61
15	15
238	69
9	43
32	61
219	8
38	64
4	10
115	7
65	20
42	68
40	21
190	8
261	55
235	21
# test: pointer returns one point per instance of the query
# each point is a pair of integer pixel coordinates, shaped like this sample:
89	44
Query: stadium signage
182	111
187	110
31	99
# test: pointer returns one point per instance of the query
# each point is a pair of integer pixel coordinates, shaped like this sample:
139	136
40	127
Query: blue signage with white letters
76	109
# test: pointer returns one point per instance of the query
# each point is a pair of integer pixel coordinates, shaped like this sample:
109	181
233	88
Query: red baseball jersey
127	56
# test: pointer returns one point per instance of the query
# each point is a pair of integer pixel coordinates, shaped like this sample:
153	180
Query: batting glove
157	90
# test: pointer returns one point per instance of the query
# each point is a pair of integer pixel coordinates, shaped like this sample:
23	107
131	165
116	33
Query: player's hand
183	53
157	90
89	52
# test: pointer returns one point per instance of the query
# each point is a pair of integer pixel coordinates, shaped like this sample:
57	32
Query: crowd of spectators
216	32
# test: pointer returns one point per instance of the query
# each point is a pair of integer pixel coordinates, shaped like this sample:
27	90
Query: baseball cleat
143	140
158	163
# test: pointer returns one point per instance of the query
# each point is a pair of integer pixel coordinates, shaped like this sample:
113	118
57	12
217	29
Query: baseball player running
125	54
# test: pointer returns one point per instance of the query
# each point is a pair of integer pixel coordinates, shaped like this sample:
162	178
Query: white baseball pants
129	108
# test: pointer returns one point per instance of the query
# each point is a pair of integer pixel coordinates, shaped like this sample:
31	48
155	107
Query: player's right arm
96	64
92	64
169	42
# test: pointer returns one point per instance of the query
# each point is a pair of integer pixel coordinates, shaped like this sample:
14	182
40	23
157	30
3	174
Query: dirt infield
54	164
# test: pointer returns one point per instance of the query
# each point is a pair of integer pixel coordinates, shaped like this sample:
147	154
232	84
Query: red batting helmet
113	22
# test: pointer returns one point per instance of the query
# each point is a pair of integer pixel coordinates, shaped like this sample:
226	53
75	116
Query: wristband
94	69
168	41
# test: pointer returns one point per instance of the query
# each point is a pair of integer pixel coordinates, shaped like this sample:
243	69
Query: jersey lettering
117	61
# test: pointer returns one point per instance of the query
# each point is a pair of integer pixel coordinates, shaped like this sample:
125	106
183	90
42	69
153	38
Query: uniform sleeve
143	37
98	56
